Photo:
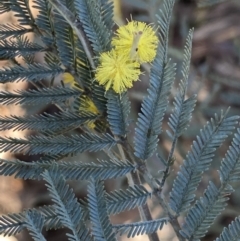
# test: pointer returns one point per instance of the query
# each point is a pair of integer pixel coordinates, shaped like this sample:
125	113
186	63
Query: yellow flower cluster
134	43
68	79
117	71
86	104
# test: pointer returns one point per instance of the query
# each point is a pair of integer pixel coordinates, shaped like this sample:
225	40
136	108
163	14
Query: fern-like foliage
21	10
116	201
128	199
64	40
155	104
41	96
46	121
202	215
12	30
97	20
12	224
51	219
118	108
70	171
43	21
141	228
232	232
182	114
34	223
19	47
32	72
230	166
101	226
204	212
66	206
198	160
57	145
96	17
71	35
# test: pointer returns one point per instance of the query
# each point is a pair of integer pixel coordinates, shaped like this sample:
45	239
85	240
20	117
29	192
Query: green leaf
32	72
205	211
45	121
66	205
198	160
34	223
154	105
118	108
57	145
101	225
232	232
140	228
39	96
72	171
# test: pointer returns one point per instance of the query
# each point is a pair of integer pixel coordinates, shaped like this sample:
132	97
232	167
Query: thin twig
158	194
77	27
133	178
169	162
155	187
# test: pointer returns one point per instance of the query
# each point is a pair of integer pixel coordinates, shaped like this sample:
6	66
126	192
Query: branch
133	178
154	186
158	194
77	27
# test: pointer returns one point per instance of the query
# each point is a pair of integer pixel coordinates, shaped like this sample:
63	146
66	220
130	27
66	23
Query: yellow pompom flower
87	105
68	79
137	40
117	71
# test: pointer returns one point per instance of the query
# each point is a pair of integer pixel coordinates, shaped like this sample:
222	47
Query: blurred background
214	77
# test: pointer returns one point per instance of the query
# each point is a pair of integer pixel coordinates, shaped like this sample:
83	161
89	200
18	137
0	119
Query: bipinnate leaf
69	170
34	224
230	165
232	232
155	103
127	199
141	228
101	225
58	144
66	206
38	96
118	108
182	114
205	211
198	160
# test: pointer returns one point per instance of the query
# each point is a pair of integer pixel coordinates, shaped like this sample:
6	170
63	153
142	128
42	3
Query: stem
169	160
172	219
77	27
155	187
133	178
158	194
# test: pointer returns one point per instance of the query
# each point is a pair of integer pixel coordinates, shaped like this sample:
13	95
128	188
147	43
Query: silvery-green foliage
39	96
155	103
118	108
34	223
71	131
198	160
232	232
